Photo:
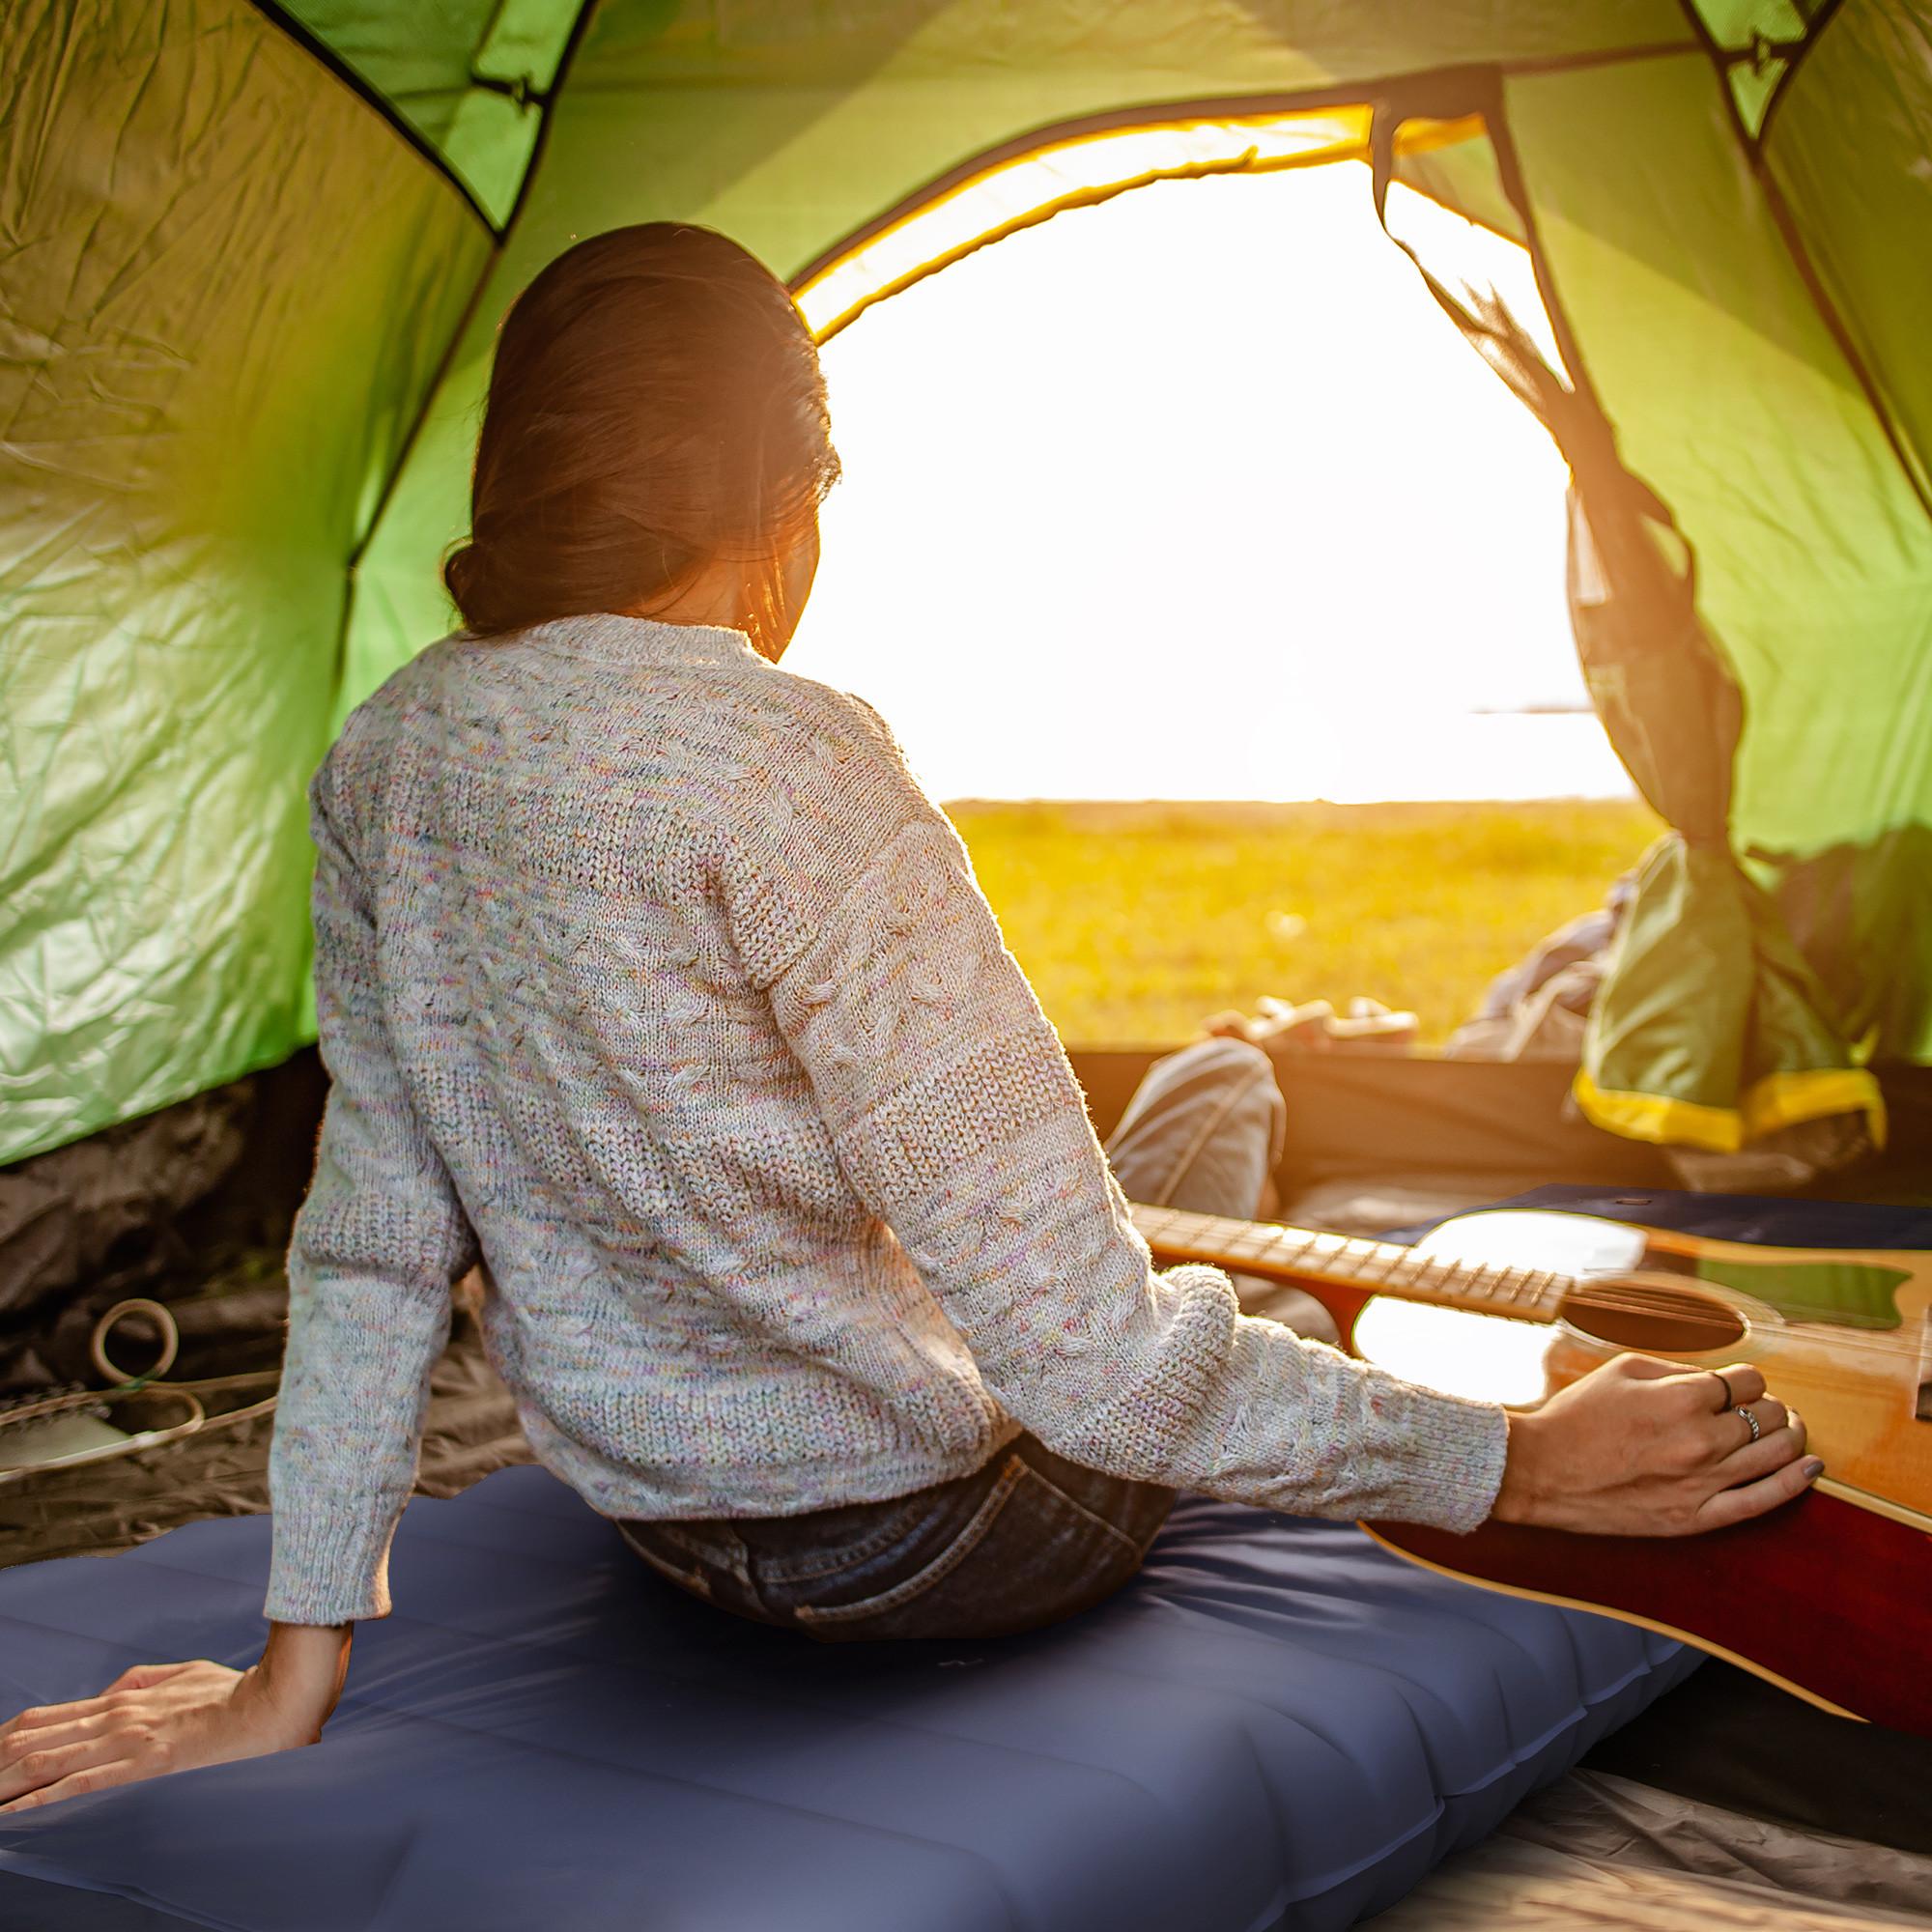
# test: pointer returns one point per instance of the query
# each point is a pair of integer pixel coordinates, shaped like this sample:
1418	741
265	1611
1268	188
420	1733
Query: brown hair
656	404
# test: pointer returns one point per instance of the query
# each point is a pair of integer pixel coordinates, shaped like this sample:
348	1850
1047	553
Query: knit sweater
649	977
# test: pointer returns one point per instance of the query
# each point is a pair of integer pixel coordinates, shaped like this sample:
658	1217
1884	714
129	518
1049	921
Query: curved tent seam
456	334
1351	145
302	27
324	55
1753	144
1226	109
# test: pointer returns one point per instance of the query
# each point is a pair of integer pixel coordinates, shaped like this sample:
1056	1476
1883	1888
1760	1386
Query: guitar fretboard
1374	1267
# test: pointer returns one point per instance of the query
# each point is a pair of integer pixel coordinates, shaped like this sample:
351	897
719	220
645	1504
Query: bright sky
1198	494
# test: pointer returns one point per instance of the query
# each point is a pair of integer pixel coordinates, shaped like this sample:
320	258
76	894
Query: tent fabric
1732	400
1277	1725
205	390
1708	1029
1757	43
257	256
1861	194
471	77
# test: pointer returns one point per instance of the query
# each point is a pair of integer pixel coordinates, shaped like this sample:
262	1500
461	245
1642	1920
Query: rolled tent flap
1710	1031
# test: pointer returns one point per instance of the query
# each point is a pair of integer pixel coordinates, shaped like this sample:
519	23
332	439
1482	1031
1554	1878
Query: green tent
254	256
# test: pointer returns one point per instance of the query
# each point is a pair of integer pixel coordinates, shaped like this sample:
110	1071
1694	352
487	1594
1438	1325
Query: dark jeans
1029	1538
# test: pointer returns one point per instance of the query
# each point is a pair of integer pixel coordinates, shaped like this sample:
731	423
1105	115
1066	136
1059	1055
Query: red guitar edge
1805	1597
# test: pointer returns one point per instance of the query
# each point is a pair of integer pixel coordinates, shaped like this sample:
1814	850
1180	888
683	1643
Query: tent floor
1592	1849
1725	1778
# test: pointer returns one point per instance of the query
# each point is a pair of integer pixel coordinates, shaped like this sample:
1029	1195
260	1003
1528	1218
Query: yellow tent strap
1777	1101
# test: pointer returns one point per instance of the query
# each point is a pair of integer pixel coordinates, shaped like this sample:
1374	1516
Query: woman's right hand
1641	1448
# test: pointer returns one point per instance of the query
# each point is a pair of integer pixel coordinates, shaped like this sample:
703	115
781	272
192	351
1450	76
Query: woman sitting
651	980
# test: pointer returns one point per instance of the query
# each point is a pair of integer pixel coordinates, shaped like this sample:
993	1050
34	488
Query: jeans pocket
820	1560
883	1607
1030	1555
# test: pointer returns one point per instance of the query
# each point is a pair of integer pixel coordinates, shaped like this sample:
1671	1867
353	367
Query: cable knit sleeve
380	1238
959	1123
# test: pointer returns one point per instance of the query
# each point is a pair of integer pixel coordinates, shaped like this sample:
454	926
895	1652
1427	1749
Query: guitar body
1830	1596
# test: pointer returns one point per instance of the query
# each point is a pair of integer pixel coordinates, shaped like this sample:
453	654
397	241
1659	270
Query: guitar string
1602	1298
1632	1303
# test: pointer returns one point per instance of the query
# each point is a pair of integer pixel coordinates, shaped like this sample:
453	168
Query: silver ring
1750	1421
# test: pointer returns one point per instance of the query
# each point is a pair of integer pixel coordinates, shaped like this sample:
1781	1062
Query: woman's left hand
173	1716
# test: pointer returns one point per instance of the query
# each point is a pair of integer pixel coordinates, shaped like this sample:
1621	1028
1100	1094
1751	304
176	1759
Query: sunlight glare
1196	494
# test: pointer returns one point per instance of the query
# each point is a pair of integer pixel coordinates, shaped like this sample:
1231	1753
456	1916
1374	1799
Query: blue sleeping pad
1277	1724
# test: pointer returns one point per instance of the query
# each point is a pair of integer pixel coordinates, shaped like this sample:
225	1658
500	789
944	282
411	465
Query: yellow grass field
1135	922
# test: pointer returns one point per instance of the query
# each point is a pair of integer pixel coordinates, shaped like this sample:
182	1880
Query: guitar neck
1305	1257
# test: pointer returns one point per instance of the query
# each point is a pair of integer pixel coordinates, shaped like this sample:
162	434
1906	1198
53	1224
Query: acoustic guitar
1830	1596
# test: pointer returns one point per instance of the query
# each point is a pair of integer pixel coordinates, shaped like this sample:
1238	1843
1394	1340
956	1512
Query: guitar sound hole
1654	1321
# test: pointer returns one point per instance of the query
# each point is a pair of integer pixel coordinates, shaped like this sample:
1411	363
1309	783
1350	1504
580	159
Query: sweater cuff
330	1561
1455	1450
